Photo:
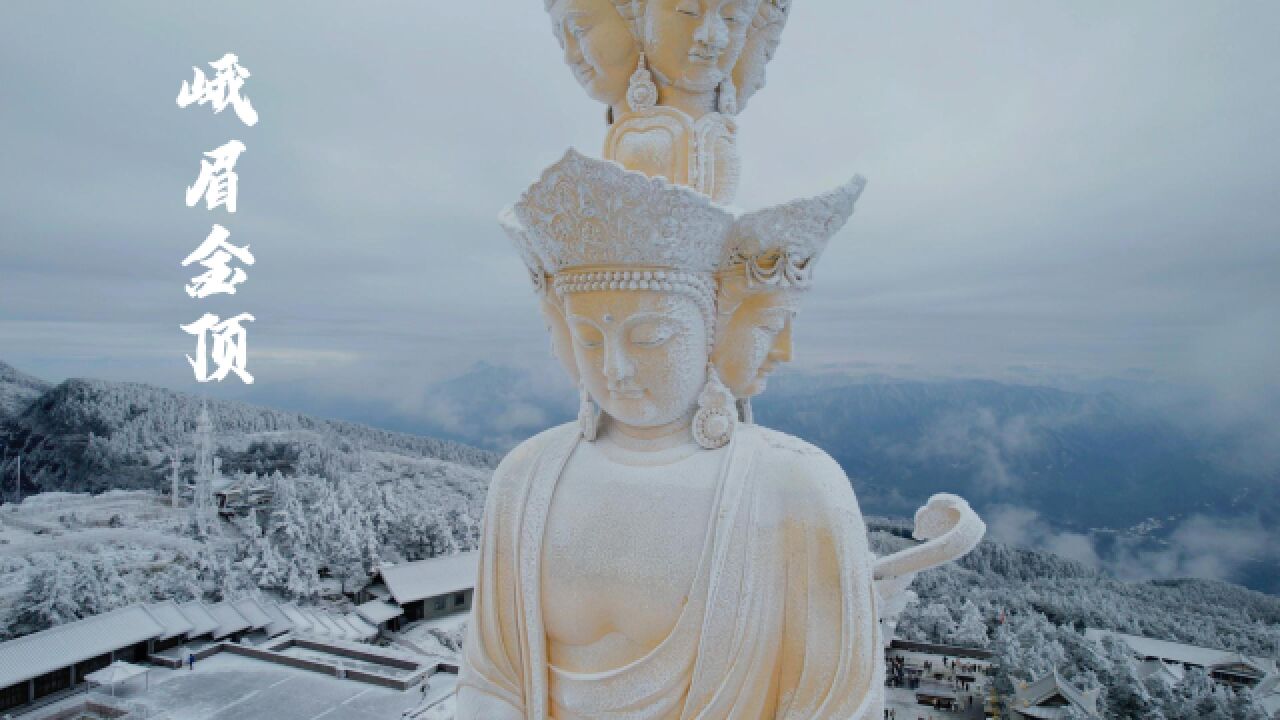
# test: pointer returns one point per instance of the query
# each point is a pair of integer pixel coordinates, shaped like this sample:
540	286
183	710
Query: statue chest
621	550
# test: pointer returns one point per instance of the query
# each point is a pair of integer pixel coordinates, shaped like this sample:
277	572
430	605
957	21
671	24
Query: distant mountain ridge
93	435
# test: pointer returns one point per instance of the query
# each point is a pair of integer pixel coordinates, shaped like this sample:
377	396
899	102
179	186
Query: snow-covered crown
779	245
588	213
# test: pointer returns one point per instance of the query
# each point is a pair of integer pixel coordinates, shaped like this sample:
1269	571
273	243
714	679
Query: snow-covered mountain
17	391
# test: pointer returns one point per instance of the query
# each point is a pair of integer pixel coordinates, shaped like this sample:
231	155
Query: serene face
757	51
642	354
561	342
598	46
693	44
754	339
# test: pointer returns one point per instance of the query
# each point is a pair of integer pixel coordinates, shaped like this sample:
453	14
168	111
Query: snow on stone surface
168	615
48	650
280	622
422	579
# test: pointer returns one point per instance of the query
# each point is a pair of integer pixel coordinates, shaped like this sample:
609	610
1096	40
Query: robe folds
781	619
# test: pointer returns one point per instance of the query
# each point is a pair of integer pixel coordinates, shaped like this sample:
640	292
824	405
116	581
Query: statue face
754	340
561	342
757	51
598	46
693	43
642	354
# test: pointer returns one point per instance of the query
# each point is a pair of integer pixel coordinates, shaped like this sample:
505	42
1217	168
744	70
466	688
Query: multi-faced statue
692	46
599	45
657	558
768	266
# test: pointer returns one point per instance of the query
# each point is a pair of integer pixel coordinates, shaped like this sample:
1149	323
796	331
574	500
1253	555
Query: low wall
282	659
388	660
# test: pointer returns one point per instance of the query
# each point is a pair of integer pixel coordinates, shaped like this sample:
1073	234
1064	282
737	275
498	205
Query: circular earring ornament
717	414
588	414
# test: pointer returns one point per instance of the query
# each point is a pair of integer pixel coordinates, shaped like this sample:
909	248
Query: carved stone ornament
665	142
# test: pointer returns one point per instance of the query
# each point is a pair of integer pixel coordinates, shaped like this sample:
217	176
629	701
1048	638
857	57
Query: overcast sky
1055	189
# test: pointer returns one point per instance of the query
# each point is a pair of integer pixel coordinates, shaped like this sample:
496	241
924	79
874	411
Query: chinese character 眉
229	76
218	181
214	253
229	350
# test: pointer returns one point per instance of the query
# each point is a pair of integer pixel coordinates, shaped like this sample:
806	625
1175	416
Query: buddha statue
657	558
768	265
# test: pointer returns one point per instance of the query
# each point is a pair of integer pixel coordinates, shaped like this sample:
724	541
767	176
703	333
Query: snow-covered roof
116	673
364	630
171	618
324	623
378	611
1168	651
299	619
201	621
344	628
1170	673
1027	698
280	623
253	612
48	650
229	620
436	576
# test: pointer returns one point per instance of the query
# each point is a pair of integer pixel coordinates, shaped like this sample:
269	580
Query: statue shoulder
803	475
520	461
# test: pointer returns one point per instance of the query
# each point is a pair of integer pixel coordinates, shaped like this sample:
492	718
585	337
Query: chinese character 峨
222	89
218	181
214	253
229	349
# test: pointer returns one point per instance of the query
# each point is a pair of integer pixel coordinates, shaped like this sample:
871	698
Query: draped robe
781	620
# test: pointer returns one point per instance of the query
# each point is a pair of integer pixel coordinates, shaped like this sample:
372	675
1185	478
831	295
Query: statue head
599	44
693	44
761	43
548	302
768	265
633	260
642	353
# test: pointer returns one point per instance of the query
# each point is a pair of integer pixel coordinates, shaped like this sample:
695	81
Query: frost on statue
664	556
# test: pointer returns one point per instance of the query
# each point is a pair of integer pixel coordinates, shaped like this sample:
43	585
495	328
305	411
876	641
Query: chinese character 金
214	253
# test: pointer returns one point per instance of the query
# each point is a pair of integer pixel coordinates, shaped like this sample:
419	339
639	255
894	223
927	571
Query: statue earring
588	414
717	416
744	411
642	94
727	97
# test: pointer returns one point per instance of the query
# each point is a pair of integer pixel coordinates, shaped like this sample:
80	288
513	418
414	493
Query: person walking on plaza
191	661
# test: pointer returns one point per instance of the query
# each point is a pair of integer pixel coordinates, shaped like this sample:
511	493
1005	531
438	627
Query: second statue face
598	46
753	340
693	44
642	354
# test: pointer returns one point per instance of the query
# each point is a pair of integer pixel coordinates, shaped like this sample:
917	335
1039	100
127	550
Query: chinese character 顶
223	88
218	180
229	350
214	253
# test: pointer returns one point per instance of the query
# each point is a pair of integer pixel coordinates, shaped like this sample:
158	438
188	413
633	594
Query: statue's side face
642	354
693	43
598	46
754	340
558	328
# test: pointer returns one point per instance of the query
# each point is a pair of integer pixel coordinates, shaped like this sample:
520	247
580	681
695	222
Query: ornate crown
585	213
520	240
779	245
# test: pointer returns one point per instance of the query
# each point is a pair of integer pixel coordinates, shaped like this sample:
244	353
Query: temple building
421	590
1051	697
1168	660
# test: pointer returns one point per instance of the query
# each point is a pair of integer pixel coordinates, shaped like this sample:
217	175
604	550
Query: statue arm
832	665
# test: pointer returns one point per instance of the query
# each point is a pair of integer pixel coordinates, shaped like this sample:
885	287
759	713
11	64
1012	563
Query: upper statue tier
674	73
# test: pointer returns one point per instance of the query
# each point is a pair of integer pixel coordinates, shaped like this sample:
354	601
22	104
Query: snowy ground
903	702
232	687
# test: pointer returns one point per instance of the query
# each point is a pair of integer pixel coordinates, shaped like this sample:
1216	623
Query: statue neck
642	439
693	104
